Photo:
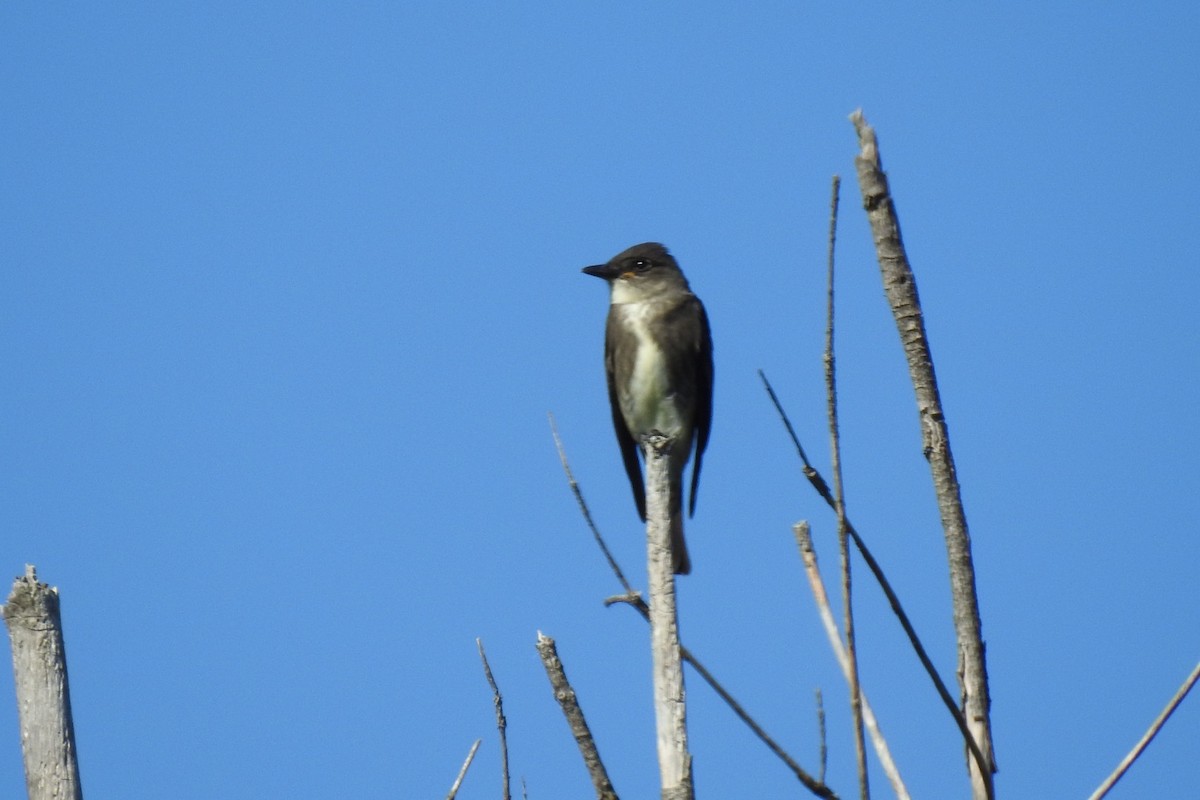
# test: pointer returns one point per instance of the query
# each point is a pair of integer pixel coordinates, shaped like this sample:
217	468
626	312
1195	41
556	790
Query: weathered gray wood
900	286
670	706
565	696
43	696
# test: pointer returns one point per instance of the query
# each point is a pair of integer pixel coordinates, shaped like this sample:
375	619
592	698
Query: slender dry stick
825	610
587	515
900	286
501	722
817	787
835	447
1151	732
462	773
670	701
821	735
818	483
634	599
565	696
43	692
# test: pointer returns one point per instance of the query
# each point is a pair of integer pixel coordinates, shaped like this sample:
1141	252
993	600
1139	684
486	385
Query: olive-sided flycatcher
658	359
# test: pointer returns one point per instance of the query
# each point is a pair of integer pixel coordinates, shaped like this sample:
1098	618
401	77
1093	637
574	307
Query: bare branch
900	286
1153	730
565	696
818	483
501	722
583	508
43	693
804	540
462	773
817	787
634	599
821	735
670	703
860	750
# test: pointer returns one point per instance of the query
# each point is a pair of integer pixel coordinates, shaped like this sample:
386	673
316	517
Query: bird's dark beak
600	271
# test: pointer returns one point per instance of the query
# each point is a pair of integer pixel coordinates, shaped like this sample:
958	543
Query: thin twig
821	735
635	599
565	696
818	483
501	722
462	773
809	555
900	286
835	447
817	787
1144	742
587	515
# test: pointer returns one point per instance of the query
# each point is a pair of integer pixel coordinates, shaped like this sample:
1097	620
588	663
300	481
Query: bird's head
640	273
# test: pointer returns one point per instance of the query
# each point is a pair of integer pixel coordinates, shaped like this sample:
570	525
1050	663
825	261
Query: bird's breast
645	392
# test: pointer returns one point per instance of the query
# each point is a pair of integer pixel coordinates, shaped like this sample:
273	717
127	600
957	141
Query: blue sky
289	291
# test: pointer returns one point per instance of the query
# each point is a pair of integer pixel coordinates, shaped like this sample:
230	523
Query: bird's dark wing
704	391
684	331
629	448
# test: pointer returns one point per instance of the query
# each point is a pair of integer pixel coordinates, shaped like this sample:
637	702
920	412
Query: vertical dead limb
565	696
670	706
860	749
462	772
43	694
501	722
900	286
821	597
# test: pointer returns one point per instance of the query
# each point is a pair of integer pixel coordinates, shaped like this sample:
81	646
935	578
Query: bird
659	368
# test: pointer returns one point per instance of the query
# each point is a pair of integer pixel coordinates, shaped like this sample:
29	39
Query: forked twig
818	483
634	599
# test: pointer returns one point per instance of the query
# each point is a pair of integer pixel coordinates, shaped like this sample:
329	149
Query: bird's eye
641	265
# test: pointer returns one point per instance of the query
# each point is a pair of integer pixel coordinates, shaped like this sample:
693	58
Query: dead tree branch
818	483
43	693
501	722
565	696
634	599
583	509
1151	732
670	702
900	286
825	610
860	750
462	773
